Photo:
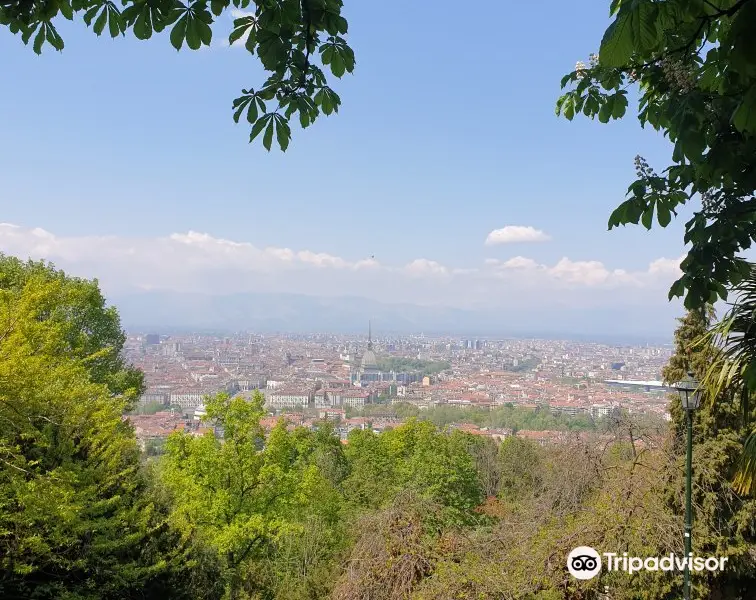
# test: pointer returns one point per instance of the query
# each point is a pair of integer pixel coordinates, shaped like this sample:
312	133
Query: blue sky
447	132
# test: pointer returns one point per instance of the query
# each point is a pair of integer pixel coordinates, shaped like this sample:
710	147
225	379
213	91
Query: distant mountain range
165	312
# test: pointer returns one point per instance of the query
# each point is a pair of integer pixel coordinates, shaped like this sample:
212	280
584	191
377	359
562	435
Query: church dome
369	361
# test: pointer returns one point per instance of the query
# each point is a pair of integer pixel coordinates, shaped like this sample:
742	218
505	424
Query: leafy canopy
92	330
75	520
242	493
694	65
285	35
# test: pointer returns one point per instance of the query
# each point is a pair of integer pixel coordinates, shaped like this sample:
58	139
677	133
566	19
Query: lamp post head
690	394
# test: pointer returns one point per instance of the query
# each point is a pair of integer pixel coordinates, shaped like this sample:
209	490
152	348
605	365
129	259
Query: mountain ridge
299	313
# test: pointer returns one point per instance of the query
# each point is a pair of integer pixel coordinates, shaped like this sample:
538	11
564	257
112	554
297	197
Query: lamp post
690	398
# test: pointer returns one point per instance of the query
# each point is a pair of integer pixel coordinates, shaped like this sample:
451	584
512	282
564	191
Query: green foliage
91	330
284	35
414	456
508	417
75	521
148	408
520	462
245	494
412	365
694	65
723	519
416	512
552	499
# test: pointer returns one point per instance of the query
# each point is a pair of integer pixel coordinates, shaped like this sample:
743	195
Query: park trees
75	519
295	41
723	516
91	330
693	64
247	496
418	457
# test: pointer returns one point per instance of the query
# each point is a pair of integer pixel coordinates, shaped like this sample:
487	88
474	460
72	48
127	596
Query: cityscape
357	382
341	300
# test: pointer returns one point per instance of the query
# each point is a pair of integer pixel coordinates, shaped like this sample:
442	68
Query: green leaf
193	39
178	33
645	25
569	108
251	43
635	30
115	23
53	38
744	117
241	26
304	119
617	45
217	6
677	289
28	31
252	112
258	127
143	25
65	9
338	67
90	14
239	105
347	54
341	24
283	134
648	216
621	214
606	110
205	33
102	19
663	215
268	137
619	104
39	39
326	54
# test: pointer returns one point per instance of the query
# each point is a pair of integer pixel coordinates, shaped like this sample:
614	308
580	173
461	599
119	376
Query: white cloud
513	234
422	267
666	266
518	262
194	261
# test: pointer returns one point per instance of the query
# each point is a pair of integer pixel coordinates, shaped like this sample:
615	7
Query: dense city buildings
311	377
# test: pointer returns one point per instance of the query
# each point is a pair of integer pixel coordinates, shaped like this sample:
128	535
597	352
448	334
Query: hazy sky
120	160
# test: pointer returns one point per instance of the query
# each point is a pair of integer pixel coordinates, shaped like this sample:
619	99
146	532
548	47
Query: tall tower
370	336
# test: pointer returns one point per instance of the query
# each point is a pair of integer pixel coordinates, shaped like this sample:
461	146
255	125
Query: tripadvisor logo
585	562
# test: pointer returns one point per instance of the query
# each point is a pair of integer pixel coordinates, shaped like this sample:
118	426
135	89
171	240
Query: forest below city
502	417
419	511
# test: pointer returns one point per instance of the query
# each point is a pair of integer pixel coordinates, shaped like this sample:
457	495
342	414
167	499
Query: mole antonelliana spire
369	363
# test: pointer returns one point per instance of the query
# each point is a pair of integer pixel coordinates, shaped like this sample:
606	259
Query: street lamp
690	398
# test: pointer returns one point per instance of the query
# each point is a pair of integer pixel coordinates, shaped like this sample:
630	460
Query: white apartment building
187	399
603	410
287	399
354	399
